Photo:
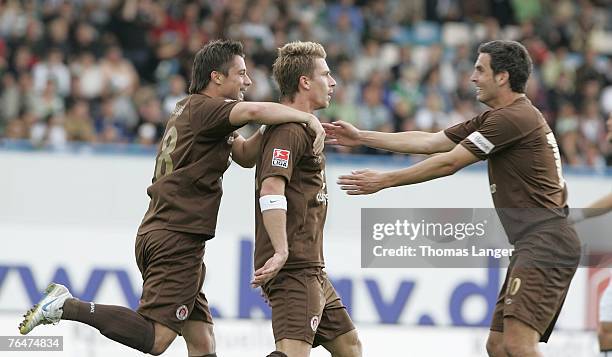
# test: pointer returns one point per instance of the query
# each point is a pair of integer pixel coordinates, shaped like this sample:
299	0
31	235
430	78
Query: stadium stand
111	71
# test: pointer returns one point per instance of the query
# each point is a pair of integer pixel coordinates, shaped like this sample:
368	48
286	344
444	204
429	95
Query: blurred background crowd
110	71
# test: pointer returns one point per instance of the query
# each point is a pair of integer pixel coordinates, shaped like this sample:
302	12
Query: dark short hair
511	57
214	56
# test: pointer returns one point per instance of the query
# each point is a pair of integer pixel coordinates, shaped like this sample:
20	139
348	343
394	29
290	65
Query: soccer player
524	172
291	206
598	208
197	147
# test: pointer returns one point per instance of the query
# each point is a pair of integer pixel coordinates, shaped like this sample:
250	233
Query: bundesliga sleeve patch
280	158
481	142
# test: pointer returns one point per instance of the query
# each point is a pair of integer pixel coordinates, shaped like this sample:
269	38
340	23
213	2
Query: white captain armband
272	202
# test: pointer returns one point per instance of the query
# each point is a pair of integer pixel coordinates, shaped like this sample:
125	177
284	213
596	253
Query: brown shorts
172	268
306	307
537	280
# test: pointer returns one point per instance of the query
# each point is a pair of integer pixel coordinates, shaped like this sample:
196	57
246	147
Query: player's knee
355	346
350	347
358	349
495	347
517	348
205	342
162	342
158	349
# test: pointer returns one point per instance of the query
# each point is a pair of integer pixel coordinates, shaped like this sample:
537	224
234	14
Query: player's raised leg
48	310
115	322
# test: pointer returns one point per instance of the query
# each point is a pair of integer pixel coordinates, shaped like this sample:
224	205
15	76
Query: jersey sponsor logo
178	110
280	158
314	323
481	142
182	312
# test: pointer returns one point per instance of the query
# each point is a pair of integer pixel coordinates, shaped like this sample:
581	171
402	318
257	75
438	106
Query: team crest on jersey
314	323
182	312
280	158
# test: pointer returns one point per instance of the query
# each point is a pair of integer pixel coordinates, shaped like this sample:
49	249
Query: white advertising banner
72	219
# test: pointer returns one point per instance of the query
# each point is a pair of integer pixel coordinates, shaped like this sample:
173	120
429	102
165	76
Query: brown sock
277	354
115	322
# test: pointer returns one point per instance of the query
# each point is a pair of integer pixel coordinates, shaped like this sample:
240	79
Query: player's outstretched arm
246	151
407	142
275	221
597	208
273	114
363	182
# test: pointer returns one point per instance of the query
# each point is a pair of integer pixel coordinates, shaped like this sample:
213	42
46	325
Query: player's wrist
389	179
283	253
365	137
313	122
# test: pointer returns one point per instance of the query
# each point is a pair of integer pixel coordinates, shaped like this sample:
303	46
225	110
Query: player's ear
305	82
216	77
502	78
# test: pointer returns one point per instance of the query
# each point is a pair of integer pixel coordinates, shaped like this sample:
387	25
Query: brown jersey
192	157
524	163
287	152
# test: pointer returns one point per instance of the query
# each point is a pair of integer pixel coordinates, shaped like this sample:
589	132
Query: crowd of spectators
110	71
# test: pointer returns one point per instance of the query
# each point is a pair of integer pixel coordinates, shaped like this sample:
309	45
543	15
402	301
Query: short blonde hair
295	59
